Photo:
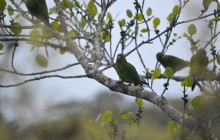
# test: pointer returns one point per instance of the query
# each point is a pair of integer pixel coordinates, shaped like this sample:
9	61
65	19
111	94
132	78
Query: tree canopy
93	33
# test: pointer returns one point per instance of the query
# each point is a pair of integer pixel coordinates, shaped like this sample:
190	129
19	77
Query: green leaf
176	10
109	15
139	17
35	36
156	22
218	59
67	4
114	121
10	10
121	23
91	8
172	126
139	102
129	13
83	22
16	28
2	6
54	25
168	72
107	36
192	29
41	61
149	11
206	4
156	73
198	101
188	82
144	30
72	33
107	116
185	35
215	19
120	111
1	46
127	116
62	50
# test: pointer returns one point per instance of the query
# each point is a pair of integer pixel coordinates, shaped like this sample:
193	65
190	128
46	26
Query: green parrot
127	72
198	65
38	8
171	61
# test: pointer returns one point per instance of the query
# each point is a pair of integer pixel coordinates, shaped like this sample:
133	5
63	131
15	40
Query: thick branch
152	97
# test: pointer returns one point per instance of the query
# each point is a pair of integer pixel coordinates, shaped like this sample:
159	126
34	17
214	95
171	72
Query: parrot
127	72
198	65
38	8
171	61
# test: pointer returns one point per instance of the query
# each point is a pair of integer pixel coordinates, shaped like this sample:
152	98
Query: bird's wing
131	71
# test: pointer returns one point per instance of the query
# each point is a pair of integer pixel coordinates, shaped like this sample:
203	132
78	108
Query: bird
127	72
171	61
198	65
38	8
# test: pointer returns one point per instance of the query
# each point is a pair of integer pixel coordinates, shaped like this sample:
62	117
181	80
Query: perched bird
127	72
171	61
198	65
38	8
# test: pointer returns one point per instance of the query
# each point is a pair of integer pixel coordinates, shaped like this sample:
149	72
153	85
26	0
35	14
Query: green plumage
171	61
198	65
38	8
126	71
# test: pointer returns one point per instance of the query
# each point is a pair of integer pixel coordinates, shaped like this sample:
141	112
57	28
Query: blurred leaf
16	28
62	50
107	116
83	22
67	4
120	111
172	127
156	22
2	6
121	23
129	13
156	73
168	72
127	116
1	46
144	30
139	17
218	59
10	10
188	82
41	61
206	4
35	36
109	15
185	35
176	10
139	102
149	11
54	25
59	28
72	33
92	9
197	102
192	29
215	19
107	36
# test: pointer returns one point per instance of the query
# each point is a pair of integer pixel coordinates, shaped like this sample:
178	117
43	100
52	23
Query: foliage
93	34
